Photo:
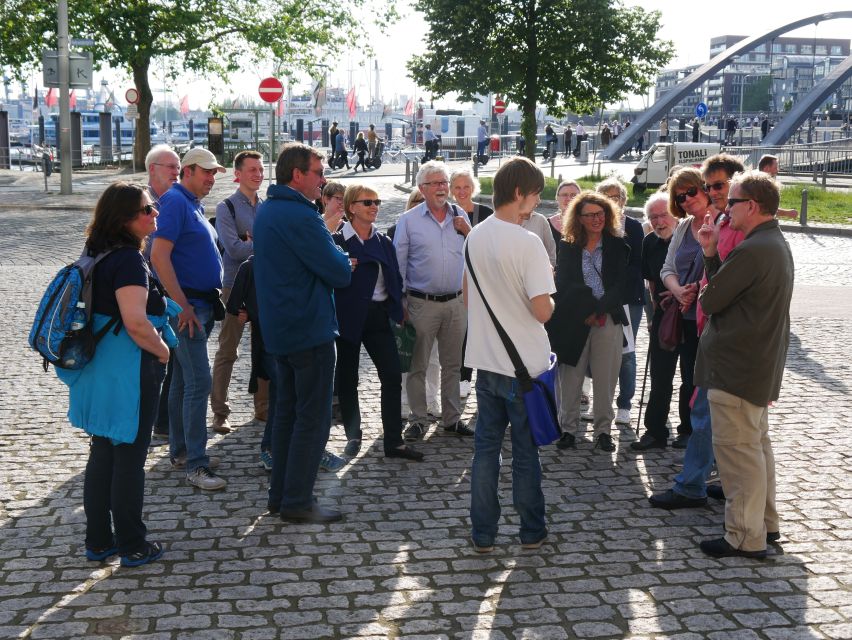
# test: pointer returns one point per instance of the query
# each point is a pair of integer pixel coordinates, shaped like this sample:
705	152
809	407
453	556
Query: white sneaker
180	462
622	416
205	479
464	388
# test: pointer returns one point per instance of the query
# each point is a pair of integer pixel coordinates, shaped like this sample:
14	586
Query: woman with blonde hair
586	330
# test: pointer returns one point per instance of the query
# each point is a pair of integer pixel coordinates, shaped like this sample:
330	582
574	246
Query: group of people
308	269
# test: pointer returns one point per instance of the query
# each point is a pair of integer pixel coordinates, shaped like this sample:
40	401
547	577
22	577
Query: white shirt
512	268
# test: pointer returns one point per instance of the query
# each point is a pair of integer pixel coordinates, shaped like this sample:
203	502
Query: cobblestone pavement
401	564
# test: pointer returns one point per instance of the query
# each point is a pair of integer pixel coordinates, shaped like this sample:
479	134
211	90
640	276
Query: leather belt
445	297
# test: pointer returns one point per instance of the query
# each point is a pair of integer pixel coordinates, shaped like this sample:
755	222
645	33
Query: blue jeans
270	366
480	147
302	422
189	391
627	373
500	403
698	459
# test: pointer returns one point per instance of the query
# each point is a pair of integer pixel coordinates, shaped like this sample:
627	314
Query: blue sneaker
331	462
99	555
266	460
152	551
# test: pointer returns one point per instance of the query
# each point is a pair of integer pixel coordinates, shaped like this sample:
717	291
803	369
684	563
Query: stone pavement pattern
401	565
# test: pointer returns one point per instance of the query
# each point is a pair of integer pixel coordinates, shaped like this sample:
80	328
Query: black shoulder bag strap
230	206
521	372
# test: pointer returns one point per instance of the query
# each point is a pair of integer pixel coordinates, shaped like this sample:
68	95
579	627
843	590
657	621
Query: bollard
553	165
407	170
475	165
803	211
824	168
415	167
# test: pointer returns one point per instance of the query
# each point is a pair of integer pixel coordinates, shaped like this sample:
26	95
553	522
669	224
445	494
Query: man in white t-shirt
514	273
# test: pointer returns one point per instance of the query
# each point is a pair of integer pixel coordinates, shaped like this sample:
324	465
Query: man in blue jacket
296	268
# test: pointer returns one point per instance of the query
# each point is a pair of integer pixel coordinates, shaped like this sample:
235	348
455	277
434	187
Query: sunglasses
148	209
369	202
716	186
691	192
733	201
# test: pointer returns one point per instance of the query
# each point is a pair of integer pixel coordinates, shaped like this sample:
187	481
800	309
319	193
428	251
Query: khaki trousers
230	334
746	467
444	322
601	354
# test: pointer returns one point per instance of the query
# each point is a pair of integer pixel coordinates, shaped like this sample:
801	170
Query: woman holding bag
681	272
586	330
365	310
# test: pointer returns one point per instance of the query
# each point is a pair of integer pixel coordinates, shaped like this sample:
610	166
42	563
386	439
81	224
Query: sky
688	25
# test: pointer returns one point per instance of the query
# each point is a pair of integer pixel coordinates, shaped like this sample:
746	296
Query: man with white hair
429	239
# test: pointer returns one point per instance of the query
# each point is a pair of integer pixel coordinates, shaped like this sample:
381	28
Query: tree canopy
202	36
566	55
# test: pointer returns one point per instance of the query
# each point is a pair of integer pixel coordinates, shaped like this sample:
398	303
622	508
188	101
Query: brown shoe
221	425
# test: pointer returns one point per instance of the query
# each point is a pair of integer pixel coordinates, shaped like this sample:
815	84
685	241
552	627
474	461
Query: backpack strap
230	206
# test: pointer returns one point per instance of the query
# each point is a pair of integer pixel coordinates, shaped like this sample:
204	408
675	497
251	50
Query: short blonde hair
354	192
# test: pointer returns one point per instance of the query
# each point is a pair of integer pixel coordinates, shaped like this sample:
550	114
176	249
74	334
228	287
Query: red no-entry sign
499	106
271	89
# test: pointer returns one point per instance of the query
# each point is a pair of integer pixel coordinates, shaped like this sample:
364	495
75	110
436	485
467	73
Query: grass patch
829	207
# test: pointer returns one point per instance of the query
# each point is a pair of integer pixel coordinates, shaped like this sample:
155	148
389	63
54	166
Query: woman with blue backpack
114	397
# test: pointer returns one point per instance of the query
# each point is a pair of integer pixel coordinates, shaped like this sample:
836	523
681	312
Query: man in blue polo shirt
189	266
297	266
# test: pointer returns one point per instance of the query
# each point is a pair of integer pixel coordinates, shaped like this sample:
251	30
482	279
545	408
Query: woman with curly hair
586	330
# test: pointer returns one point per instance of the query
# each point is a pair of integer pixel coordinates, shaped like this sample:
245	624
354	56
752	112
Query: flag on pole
51	98
280	107
319	95
386	110
184	105
110	101
72	100
351	103
409	107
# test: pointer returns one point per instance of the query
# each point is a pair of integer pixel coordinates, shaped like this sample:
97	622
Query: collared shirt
149	242
231	227
481	133
592	267
428	134
380	292
430	252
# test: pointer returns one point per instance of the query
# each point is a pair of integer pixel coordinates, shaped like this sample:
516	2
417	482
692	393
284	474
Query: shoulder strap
230	206
521	372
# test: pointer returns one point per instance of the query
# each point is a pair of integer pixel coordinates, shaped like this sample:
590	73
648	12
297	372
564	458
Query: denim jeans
271	368
627	373
302	422
189	392
698	459
500	403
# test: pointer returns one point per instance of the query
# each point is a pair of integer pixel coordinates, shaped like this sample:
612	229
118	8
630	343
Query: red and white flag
184	105
280	108
409	107
351	103
72	100
51	98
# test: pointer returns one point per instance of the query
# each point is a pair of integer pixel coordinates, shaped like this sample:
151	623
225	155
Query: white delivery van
653	169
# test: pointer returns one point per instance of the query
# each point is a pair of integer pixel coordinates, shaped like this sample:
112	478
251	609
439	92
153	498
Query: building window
777	48
790	48
807	49
820	50
835	50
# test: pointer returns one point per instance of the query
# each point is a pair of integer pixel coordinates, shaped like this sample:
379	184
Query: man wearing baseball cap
189	266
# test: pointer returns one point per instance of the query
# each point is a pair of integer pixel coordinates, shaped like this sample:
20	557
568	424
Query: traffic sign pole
271	90
64	101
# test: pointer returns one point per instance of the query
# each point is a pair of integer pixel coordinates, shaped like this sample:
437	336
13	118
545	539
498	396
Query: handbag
405	336
538	393
670	331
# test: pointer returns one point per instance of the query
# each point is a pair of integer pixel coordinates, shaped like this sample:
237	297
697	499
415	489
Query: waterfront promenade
401	564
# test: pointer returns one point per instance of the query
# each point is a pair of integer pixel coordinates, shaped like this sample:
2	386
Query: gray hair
431	168
612	184
155	153
657	196
465	172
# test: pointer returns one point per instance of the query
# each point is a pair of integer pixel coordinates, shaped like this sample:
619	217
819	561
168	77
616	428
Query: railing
821	160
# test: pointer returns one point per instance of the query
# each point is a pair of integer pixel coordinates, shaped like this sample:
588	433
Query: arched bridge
624	142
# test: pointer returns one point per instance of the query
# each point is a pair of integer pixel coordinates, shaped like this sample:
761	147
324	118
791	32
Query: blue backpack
62	329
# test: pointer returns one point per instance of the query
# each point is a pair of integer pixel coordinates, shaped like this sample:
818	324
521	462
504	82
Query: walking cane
642	397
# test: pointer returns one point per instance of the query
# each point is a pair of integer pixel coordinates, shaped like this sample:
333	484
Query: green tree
567	55
203	36
756	96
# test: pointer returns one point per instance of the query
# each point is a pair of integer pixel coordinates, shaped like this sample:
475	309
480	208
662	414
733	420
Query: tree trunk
143	124
529	126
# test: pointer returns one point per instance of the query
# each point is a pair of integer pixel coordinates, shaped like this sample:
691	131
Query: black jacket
574	299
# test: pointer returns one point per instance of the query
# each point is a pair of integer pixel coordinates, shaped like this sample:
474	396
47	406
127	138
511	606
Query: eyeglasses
439	183
148	209
175	167
716	186
594	214
691	192
318	172
733	201
369	202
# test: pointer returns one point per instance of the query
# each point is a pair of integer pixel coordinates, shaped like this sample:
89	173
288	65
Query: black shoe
459	428
715	491
352	448
681	441
404	452
314	515
566	441
604	443
414	431
647	441
772	536
719	548
671	500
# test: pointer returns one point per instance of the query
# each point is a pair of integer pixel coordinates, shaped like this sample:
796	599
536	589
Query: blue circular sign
701	110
